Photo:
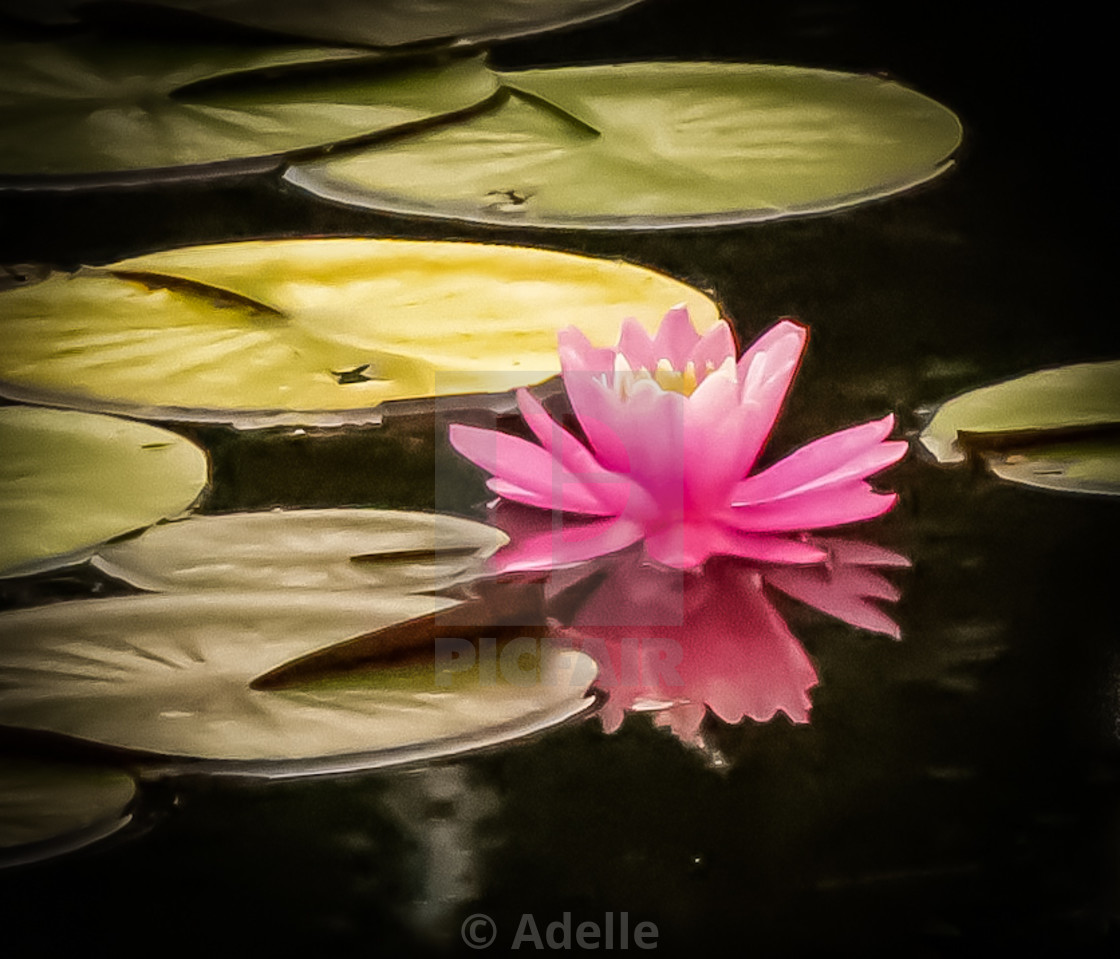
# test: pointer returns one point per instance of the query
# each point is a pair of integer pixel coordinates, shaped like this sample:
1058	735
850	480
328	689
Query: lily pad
649	145
169	675
1085	467
304	549
83	112
50	808
69	481
1047	405
381	23
314	331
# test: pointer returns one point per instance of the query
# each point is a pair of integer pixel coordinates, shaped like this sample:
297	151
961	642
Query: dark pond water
956	793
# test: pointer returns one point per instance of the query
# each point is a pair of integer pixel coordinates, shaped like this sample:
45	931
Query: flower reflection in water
678	644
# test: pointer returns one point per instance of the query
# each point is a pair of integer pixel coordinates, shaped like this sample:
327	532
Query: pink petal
577	353
715	346
717	442
569	543
684	546
851	454
595	406
832	506
676	337
635	345
769	549
569	498
610	489
766	371
523	466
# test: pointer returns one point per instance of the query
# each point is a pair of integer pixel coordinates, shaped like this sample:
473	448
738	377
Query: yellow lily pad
69	481
314	331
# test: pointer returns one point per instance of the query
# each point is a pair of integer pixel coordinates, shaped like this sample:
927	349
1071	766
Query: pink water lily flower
674	426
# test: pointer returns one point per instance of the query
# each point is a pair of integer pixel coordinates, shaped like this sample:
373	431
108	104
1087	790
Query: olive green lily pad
1085	467
304	549
648	145
48	808
314	331
69	481
371	22
81	111
1059	402
170	674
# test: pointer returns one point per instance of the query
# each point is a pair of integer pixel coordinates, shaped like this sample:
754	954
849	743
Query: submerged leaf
69	481
257	333
655	145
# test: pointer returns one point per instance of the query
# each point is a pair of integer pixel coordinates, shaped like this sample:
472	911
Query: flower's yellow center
685	381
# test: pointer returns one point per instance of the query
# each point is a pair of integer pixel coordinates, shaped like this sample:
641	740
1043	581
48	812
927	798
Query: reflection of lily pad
104	111
656	145
304	549
1086	467
170	675
1061	400
259	332
49	808
372	22
69	481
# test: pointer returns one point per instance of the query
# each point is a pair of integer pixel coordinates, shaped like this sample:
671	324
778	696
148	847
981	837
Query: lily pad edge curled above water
1056	428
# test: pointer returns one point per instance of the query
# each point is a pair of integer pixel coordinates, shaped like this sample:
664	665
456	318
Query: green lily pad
1059	402
304	549
1085	467
378	23
314	331
69	481
170	674
50	808
646	145
80	111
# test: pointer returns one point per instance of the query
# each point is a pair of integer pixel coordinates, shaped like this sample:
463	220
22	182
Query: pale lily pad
1065	399
379	23
81	111
327	549
169	675
648	145
50	808
69	481
1085	467
314	331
